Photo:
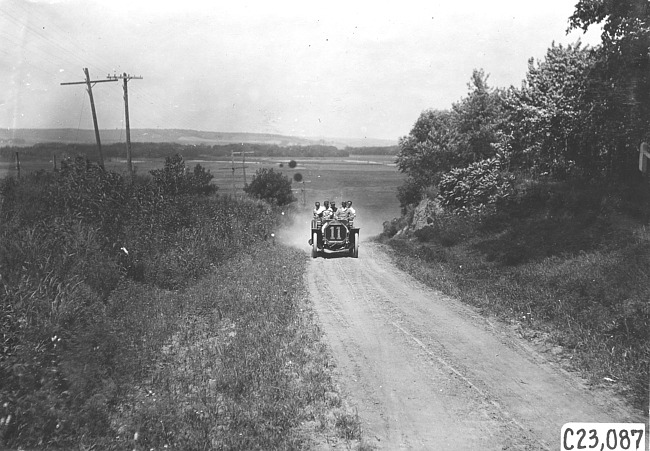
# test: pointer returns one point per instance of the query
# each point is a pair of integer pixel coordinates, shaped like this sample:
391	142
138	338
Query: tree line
580	114
164	150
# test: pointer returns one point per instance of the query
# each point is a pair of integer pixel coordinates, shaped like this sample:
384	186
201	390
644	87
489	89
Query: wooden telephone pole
126	79
232	159
243	162
92	108
235	168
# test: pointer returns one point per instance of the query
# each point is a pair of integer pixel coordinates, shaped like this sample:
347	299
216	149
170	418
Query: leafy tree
200	180
477	120
441	140
623	73
426	152
627	23
174	178
270	186
549	114
411	192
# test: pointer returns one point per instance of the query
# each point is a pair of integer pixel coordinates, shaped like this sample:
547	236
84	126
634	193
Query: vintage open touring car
334	236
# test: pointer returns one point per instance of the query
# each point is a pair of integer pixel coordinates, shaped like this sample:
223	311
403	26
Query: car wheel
314	245
355	248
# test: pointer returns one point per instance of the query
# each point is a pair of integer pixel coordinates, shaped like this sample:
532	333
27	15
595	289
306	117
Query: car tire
314	245
355	247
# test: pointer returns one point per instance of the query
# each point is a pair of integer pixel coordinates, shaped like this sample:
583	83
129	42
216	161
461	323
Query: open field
370	181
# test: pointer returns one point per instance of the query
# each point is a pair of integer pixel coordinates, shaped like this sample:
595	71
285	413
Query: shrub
270	186
447	229
393	226
476	189
92	194
411	192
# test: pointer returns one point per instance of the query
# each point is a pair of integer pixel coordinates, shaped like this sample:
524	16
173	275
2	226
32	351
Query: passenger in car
342	212
351	211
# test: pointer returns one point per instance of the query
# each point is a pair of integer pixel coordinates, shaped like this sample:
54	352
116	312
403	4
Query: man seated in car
318	210
342	212
327	213
351	211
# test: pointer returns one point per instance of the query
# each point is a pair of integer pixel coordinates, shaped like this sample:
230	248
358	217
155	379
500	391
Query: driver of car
327	214
318	210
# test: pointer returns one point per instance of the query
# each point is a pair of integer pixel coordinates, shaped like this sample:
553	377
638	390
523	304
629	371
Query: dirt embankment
427	372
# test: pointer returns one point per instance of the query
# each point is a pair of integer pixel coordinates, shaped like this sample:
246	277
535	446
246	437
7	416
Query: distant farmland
370	181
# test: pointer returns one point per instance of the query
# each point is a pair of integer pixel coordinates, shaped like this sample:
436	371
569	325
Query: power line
57	43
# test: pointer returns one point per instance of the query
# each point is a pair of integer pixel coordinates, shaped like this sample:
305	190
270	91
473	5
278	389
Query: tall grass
244	369
113	294
562	262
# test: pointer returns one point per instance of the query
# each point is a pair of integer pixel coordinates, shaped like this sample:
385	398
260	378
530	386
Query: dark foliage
270	186
174	178
68	241
477	189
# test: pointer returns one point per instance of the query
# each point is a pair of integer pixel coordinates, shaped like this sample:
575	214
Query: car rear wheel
355	248
314	245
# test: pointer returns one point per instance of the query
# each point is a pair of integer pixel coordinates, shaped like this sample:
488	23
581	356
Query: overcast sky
341	69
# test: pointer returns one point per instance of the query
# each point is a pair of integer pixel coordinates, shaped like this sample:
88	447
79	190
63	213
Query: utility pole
92	108
126	79
232	159
243	164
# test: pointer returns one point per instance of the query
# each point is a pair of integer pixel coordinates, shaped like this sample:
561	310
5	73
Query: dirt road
426	372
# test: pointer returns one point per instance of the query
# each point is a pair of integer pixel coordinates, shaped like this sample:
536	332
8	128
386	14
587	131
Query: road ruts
427	372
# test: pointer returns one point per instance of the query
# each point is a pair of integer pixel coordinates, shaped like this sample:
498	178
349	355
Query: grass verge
136	316
242	367
567	267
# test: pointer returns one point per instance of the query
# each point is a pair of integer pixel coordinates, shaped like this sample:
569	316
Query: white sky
340	69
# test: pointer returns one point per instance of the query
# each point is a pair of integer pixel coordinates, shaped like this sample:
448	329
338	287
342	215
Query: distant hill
29	137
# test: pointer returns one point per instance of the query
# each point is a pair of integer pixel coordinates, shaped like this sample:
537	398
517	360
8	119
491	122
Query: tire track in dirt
427	372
